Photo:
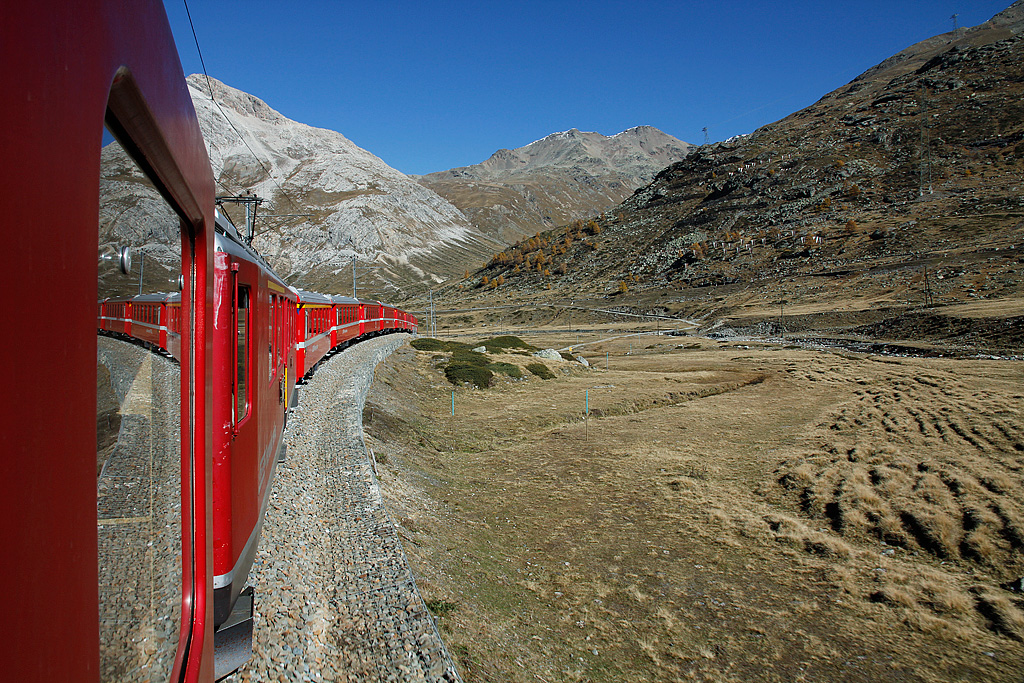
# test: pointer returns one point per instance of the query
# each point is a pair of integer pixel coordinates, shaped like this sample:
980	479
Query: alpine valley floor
728	512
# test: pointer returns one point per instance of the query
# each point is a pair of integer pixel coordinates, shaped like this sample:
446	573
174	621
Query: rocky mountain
329	201
901	189
559	178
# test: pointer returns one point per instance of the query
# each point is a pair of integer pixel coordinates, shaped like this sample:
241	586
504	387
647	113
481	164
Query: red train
104	582
153	319
330	323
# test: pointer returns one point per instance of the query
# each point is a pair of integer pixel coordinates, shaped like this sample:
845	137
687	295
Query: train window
138	433
241	398
282	337
271	308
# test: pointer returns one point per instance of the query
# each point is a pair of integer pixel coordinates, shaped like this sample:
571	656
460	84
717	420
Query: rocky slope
335	200
903	187
556	179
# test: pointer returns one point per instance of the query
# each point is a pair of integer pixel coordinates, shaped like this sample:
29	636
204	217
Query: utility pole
956	25
367	266
782	315
142	267
706	135
927	289
925	160
430	314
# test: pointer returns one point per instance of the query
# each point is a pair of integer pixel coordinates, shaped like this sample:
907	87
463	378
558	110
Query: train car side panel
60	62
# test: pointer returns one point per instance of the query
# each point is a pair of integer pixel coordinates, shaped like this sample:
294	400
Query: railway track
338	600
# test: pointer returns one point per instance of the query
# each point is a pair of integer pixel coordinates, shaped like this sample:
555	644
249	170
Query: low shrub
469	357
457	373
510	369
506	342
566	355
540	370
428	344
432	344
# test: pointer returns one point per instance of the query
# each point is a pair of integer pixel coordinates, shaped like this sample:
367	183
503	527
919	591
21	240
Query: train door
240	369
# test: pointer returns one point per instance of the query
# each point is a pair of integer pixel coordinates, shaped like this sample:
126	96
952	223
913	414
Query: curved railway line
339	599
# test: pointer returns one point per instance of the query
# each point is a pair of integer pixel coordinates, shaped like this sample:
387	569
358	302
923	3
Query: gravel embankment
335	598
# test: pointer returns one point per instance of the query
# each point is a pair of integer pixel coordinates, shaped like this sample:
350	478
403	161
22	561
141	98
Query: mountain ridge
338	201
913	167
560	177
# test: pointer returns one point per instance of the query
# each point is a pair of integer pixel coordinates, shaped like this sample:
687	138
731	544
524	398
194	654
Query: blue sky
428	86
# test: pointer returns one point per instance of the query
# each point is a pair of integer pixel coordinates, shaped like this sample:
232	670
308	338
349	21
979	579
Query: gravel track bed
138	510
335	598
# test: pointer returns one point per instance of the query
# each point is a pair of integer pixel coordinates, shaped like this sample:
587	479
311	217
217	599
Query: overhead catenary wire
213	99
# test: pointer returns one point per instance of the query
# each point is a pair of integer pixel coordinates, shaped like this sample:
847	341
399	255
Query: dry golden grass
733	514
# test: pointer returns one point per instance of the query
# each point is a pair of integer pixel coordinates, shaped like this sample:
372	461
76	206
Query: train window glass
270	335
282	337
241	398
138	433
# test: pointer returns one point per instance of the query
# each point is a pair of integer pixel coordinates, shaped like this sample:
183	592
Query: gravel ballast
335	598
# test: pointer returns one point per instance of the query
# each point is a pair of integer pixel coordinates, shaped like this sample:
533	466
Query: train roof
228	241
307	297
158	297
341	299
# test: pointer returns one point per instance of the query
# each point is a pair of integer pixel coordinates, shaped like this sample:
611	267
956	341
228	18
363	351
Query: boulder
548	354
481	349
583	361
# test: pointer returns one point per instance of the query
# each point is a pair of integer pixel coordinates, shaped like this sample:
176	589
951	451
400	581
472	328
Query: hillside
898	191
556	179
335	200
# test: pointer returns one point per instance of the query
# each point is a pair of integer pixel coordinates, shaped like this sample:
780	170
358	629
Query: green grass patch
540	370
510	369
441	608
428	344
566	355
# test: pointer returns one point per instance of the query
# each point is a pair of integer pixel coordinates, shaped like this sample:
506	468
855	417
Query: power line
217	104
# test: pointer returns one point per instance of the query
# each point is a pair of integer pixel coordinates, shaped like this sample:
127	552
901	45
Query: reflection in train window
138	459
241	402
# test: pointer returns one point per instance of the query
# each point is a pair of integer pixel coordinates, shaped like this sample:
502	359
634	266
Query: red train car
153	319
254	372
73	69
315	333
346	312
